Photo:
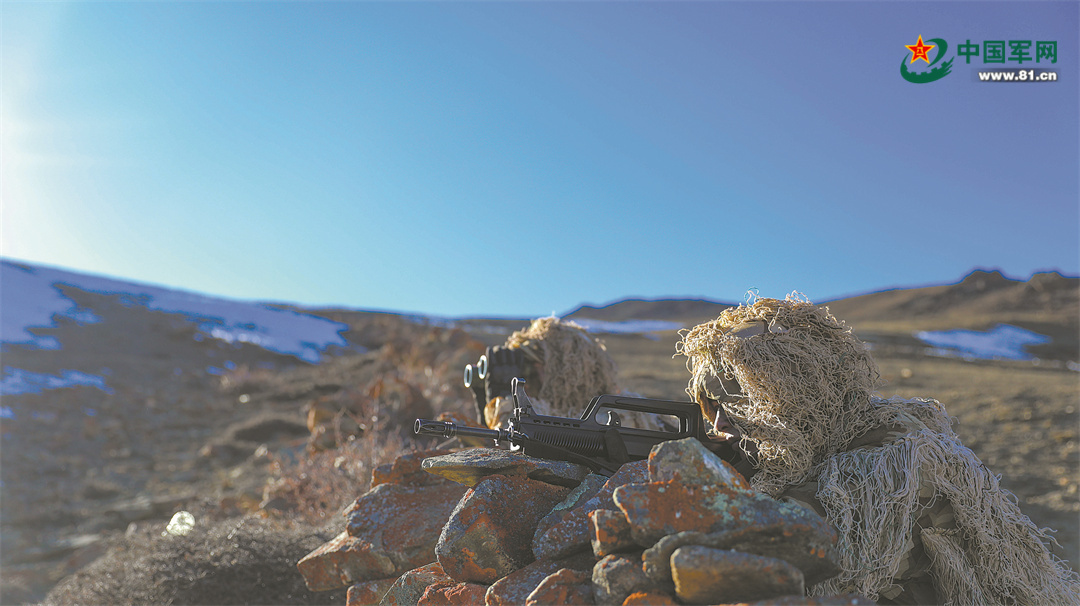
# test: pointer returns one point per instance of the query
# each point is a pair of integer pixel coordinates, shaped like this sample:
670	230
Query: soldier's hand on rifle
725	441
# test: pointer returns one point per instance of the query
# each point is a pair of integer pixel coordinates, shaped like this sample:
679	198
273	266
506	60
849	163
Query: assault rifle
597	440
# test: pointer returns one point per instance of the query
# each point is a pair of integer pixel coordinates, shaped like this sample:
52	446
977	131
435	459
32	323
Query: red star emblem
919	50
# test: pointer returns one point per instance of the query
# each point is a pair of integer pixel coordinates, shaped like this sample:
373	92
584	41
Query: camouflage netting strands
805	382
906	498
576	367
923	486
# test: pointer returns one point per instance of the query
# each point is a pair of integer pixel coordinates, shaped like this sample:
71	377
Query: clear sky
518	159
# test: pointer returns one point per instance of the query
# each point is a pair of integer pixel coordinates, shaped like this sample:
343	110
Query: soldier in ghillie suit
920	519
563	367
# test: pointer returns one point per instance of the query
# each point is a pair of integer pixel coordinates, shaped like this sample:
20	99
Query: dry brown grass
316	487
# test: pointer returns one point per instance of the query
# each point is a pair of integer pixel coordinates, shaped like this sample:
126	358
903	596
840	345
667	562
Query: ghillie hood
575	367
805	382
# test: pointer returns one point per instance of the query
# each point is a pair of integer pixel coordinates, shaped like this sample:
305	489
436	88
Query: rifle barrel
449	430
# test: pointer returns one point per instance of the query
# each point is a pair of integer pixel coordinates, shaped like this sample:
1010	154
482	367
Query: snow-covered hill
33	297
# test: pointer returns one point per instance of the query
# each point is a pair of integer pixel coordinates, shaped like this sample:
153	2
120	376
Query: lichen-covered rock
344	561
489	534
566	586
403	523
587	489
657	509
610	533
714	576
408	470
457	594
570	536
615	577
650	598
568	531
368	593
566	541
468	467
514	588
808	544
689	462
409	587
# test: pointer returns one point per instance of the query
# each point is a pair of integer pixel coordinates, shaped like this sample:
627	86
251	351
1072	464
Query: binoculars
475	374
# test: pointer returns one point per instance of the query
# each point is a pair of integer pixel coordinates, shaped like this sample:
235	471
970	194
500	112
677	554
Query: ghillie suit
565	368
919	518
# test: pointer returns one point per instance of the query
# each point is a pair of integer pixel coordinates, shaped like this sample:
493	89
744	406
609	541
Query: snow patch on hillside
18	381
30	297
1003	342
626	327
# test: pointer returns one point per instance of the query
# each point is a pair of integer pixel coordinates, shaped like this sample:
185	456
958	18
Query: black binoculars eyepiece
475	375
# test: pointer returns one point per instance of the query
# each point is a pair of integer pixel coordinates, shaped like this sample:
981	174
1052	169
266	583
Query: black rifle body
597	440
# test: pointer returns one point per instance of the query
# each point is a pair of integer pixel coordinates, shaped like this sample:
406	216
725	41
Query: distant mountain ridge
1048	303
672	310
981	298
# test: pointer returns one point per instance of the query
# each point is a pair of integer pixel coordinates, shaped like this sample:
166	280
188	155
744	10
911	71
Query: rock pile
484	526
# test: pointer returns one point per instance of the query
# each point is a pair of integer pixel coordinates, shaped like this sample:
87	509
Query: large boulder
565	586
715	576
688	461
489	534
390	529
410	587
514	588
568	530
344	561
615	577
657	509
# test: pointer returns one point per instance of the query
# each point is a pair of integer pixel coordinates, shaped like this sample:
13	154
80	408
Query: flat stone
343	561
566	586
403	523
368	592
489	534
615	577
714	576
689	462
408	470
410	587
657	509
809	545
469	466
611	533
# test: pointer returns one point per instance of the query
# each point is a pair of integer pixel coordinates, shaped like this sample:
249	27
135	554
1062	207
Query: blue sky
522	158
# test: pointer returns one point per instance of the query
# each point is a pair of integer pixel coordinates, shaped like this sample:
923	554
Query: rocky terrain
272	448
680	527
